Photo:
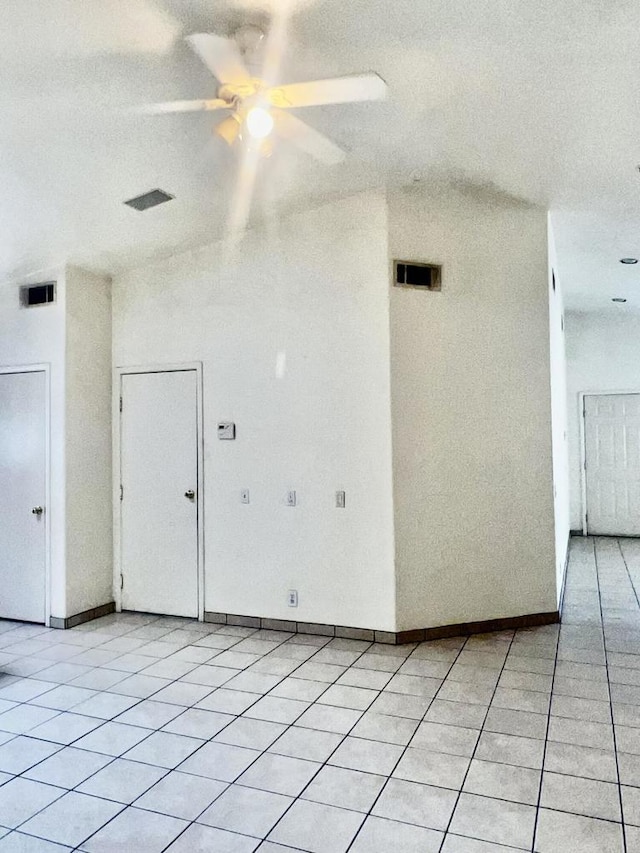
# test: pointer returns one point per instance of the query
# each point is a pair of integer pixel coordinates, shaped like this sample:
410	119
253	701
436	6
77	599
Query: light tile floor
139	733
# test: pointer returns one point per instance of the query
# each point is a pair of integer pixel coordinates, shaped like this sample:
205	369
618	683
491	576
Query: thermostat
226	431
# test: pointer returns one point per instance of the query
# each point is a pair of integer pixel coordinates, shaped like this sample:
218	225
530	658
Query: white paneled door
159	500
612	456
22	496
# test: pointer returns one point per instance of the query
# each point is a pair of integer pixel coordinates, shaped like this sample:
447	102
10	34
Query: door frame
44	367
583	445
118	373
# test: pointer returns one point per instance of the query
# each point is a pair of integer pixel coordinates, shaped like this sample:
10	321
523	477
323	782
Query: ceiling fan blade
307	138
337	90
186	106
221	56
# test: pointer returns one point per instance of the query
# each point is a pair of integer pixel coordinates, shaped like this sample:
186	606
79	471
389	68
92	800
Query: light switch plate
341	499
244	496
291	498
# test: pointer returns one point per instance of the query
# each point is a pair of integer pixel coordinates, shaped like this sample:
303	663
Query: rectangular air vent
418	275
37	294
151	199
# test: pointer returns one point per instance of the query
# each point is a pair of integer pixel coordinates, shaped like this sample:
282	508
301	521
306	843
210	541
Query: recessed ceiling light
618	299
628	260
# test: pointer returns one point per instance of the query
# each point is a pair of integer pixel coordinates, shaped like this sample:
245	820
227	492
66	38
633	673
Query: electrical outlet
292	598
341	499
291	498
244	496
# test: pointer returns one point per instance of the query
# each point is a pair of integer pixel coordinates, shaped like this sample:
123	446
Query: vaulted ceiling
535	100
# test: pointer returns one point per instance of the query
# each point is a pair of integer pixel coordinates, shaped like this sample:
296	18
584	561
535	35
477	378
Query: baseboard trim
486	626
418	635
85	616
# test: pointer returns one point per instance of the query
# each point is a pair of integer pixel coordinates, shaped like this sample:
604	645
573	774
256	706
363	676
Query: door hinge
121	491
121	581
120	403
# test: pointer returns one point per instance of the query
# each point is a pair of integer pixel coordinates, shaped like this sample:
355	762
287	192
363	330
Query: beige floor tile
492	820
589	797
558	832
503	781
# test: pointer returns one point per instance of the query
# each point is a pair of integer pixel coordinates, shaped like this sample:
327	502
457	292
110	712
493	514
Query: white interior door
22	496
159	505
612	448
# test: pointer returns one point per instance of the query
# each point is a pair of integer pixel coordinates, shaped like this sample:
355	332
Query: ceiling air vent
151	199
37	294
418	275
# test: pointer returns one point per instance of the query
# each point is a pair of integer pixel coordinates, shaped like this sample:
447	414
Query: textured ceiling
535	100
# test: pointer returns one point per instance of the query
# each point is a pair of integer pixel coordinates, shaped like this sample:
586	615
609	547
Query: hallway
145	733
597	678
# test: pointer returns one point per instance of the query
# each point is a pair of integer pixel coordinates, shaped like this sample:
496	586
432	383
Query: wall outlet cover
292	598
226	431
291	498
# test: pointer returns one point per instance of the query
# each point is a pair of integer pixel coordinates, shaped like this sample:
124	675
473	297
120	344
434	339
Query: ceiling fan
258	109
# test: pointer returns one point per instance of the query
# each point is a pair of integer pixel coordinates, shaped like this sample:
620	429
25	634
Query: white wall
560	439
37	336
603	354
89	514
474	519
72	337
294	340
296	337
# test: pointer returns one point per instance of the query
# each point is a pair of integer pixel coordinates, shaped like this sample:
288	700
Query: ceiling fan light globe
259	123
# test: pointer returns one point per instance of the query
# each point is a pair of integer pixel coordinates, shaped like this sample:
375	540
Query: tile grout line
546	740
475	748
608	578
153	731
606	663
262	752
114	758
139	701
624	560
265	751
66	791
408	744
325	763
379	691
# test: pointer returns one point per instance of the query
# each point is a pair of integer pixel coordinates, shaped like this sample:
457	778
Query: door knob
190	494
37	510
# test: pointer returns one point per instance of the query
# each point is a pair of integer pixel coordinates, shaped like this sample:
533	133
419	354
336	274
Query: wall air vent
151	199
37	294
418	275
